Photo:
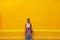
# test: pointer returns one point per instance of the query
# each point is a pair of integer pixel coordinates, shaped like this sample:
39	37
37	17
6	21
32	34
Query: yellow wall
44	14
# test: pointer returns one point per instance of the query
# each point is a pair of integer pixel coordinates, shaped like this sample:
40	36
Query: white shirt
28	25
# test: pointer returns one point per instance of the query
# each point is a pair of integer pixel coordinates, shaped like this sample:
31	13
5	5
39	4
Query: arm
31	28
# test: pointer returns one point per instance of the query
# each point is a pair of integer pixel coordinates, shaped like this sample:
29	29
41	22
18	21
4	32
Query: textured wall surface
44	15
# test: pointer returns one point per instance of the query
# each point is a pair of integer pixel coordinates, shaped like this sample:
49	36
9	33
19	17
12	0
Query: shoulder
30	24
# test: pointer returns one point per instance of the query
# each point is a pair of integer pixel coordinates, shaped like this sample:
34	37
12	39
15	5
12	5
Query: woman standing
28	30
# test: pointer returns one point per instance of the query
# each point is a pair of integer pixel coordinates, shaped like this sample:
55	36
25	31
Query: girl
28	30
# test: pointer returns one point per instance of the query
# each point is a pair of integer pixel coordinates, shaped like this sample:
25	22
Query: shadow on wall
0	21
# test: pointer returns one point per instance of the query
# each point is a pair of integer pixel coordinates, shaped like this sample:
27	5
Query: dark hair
28	18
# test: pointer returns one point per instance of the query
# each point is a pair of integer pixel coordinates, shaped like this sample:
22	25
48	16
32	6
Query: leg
30	37
27	38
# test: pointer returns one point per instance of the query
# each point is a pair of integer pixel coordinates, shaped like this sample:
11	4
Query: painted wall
44	14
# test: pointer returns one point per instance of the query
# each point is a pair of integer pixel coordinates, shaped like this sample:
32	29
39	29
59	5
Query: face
28	20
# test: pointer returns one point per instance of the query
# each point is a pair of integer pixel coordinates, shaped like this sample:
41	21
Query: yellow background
44	14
